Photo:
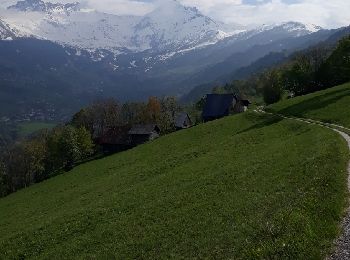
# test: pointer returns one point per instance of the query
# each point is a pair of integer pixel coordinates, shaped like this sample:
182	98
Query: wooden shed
115	139
140	134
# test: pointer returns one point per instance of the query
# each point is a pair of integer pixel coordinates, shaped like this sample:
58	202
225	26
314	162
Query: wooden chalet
115	139
221	105
140	134
182	121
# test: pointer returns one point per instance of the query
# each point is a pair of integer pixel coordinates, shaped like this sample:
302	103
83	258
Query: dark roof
144	129
181	119
218	105
115	135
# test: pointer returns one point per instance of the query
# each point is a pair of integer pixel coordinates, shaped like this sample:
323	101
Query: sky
325	13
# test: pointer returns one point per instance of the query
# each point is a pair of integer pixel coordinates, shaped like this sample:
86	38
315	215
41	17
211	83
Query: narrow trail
342	244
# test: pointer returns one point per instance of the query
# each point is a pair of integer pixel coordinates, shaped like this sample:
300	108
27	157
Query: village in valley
120	138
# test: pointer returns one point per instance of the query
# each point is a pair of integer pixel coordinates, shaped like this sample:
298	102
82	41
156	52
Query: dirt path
342	244
342	250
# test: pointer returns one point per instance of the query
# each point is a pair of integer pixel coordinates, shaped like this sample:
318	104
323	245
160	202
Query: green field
28	128
330	106
245	187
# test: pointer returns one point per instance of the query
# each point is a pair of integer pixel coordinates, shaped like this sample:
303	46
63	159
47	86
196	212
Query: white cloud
121	7
328	14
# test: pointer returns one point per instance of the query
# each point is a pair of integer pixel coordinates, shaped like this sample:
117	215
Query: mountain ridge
170	28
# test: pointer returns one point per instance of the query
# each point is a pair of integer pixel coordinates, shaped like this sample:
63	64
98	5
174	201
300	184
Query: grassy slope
244	187
331	106
28	128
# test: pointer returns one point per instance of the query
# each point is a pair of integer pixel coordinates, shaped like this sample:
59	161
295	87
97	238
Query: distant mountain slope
65	79
268	55
42	77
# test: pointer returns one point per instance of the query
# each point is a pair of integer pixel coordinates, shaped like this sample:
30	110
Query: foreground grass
331	106
28	128
246	187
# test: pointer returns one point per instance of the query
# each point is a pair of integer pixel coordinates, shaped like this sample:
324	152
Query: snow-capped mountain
166	31
172	26
296	28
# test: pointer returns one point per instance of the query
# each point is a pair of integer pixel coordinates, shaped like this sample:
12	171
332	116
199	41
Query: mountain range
171	27
91	54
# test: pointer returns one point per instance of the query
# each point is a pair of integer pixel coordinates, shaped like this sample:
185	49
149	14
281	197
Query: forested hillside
321	66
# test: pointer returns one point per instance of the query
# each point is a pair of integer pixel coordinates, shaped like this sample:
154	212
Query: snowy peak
300	27
175	26
41	6
294	28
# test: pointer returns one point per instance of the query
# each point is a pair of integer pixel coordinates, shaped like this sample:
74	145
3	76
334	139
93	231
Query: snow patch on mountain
296	28
6	33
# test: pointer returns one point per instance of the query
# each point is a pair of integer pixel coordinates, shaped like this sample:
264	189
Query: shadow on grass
315	103
268	121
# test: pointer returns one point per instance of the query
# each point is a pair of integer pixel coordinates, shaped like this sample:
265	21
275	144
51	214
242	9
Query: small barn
221	105
140	134
183	121
115	139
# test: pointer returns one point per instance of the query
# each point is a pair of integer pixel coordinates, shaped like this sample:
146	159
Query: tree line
305	72
50	152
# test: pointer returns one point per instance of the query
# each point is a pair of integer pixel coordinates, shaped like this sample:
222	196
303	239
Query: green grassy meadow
28	128
245	187
330	106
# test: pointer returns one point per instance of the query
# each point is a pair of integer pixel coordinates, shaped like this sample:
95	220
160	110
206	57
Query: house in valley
182	121
221	105
140	134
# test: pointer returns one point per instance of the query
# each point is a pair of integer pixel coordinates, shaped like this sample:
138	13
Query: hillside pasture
244	187
330	106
